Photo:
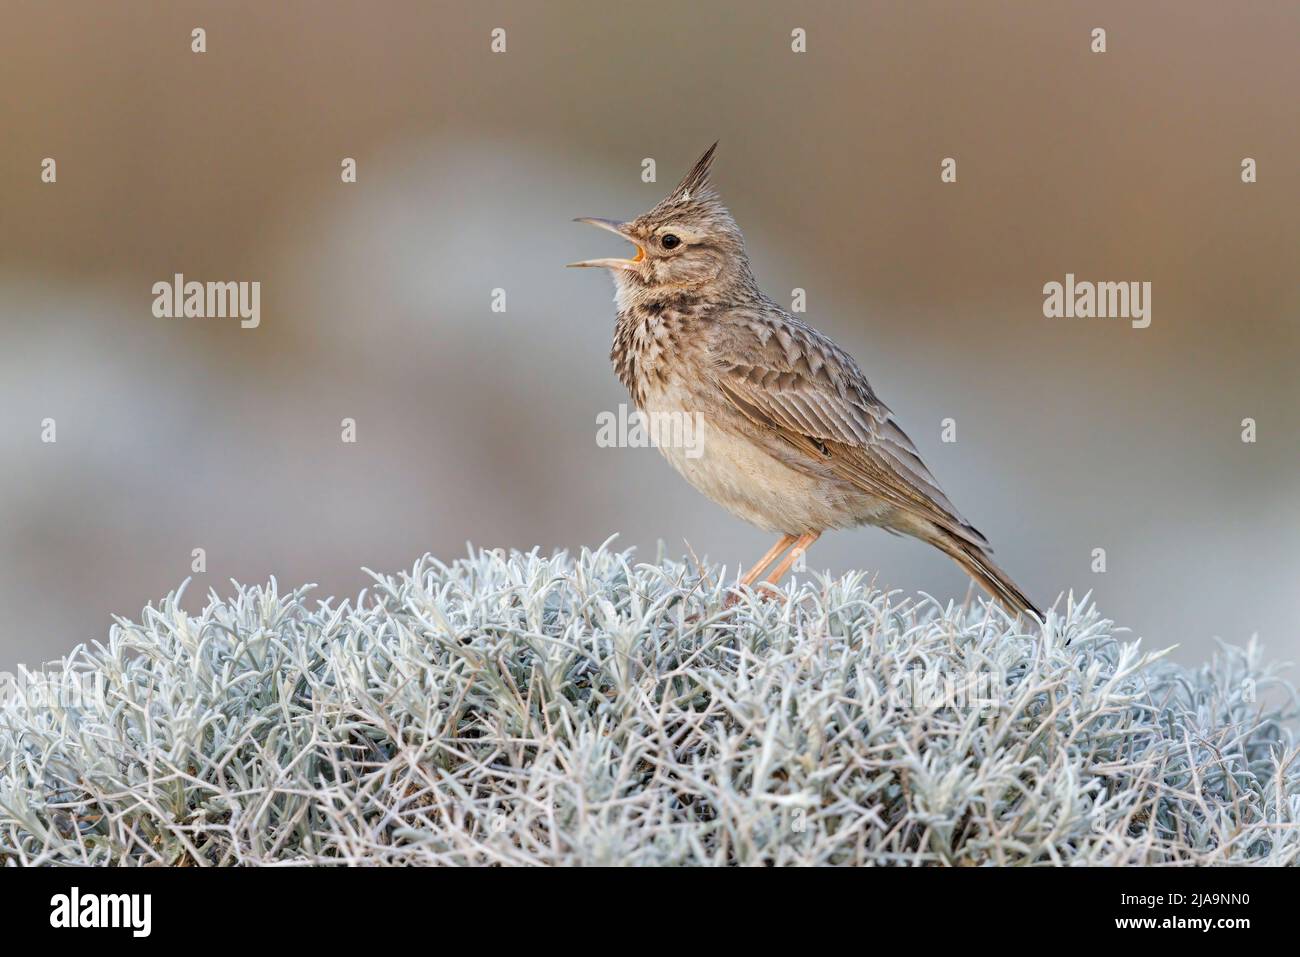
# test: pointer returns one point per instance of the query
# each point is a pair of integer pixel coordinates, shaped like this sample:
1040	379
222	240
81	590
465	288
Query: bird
791	436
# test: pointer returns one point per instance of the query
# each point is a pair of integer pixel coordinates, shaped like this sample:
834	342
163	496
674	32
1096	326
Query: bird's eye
670	241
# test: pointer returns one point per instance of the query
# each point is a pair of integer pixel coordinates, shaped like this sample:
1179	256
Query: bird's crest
695	184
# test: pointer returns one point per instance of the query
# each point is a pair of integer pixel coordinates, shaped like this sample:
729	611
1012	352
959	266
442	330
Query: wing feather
811	394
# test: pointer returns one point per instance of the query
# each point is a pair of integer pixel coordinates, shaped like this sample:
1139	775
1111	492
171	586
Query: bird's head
689	240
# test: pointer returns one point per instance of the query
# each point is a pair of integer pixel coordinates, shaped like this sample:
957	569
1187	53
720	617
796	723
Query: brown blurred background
175	434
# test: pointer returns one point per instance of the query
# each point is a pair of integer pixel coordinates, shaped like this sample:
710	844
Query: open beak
618	229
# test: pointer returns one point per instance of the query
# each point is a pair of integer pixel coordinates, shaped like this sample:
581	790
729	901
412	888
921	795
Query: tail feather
986	573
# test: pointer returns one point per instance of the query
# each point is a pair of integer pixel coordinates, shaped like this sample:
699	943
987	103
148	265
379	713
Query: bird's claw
764	591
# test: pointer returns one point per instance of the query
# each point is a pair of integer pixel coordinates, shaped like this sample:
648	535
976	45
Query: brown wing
785	376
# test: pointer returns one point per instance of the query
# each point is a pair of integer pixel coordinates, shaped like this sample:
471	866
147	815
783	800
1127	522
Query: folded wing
811	394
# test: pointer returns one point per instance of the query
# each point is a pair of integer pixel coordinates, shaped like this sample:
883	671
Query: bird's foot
764	591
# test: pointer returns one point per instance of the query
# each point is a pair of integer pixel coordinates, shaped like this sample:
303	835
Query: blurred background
176	434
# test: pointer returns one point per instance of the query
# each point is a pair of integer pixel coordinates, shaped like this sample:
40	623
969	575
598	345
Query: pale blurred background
175	434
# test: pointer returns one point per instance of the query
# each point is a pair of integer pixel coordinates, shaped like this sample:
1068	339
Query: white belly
747	481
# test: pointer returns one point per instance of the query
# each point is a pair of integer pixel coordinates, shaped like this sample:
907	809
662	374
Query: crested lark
794	439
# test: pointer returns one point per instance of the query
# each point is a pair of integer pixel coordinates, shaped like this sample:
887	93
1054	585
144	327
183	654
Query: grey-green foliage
521	709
